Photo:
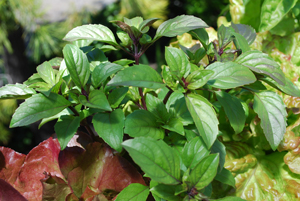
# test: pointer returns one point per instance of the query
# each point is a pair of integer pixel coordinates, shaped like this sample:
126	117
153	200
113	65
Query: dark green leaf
198	78
109	126
226	177
133	192
218	147
97	99
116	96
143	123
271	110
229	75
138	76
233	109
16	91
272	12
204	117
65	128
103	71
175	125
289	88
204	172
157	108
193	152
176	103
77	65
179	25
38	107
46	72
155	158
201	35
178	62
246	31
92	32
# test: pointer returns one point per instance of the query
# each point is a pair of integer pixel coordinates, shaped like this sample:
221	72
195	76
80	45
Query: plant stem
168	95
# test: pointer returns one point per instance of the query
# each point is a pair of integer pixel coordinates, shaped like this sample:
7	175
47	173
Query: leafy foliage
180	128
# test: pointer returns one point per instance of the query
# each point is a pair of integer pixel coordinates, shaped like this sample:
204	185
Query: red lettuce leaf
7	192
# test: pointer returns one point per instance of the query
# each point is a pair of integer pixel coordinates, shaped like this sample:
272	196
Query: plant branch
168	95
142	98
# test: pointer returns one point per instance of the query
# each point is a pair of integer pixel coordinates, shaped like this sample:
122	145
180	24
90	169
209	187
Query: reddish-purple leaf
7	192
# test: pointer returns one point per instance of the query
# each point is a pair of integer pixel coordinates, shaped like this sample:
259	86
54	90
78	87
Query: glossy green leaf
176	103
241	43
66	111
225	35
116	96
143	123
202	36
198	78
38	107
174	125
234	110
103	71
229	75
97	99
289	88
133	192
272	12
193	152
46	72
204	117
246	31
137	76
226	177
16	91
157	108
155	158
204	172
109	127
92	32
261	63
179	25
165	192
178	62
231	198
65	128
218	147
77	65
271	110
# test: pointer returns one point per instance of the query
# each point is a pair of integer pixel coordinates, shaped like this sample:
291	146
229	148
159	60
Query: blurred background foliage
24	35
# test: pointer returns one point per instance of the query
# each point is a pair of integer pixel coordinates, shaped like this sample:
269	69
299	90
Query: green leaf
92	32
157	108
155	158
175	125
272	12
46	72
234	110
137	76
241	43
134	192
16	91
225	35
165	192
116	96
146	23
226	177
229	75
179	25
231	198
204	172
109	127
66	111
218	147
193	152
271	110
202	36
38	107
204	117
198	78
77	64
65	128
97	99
289	88
143	123
178	62
246	31
103	71
176	103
